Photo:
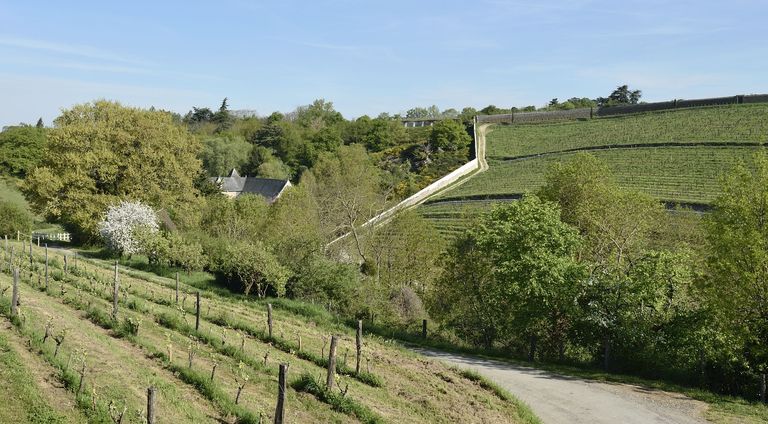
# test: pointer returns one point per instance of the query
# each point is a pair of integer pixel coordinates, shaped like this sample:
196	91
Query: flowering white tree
122	222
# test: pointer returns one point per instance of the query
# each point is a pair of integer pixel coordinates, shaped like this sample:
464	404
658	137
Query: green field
735	123
678	174
688	173
394	385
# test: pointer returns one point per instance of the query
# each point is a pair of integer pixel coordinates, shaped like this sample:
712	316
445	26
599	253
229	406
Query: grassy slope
9	192
26	400
735	123
688	174
680	174
414	390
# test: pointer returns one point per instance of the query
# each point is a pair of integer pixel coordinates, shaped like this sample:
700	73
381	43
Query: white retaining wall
425	193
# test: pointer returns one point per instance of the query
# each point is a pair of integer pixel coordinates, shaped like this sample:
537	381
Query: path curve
562	399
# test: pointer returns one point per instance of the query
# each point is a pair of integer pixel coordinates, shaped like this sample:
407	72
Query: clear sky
369	57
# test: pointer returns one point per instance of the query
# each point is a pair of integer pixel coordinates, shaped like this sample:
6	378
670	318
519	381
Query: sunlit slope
677	156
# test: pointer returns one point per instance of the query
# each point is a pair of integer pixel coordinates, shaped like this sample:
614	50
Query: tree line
586	271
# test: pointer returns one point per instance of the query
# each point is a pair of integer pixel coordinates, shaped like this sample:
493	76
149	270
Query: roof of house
268	187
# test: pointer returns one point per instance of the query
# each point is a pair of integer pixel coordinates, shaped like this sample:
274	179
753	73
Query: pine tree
40	123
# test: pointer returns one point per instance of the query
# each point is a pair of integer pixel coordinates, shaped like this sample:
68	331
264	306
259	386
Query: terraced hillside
677	156
65	332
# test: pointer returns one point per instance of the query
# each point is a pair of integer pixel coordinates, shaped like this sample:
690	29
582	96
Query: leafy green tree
616	225
449	135
737	266
347	188
186	254
242	218
251	265
223	153
100	153
320	114
14	218
518	264
21	149
222	118
328	283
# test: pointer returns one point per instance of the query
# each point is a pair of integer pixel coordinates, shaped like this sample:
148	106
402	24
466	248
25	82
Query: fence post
31	264
38	241
15	293
331	364
66	264
281	388
115	293
197	313
46	266
177	287
424	329
762	388
269	319
359	343
151	405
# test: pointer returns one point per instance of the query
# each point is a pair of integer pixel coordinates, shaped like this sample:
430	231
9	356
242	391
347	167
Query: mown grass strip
306	383
524	411
92	409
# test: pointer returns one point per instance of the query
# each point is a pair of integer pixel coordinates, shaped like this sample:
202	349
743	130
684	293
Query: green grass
680	174
10	193
28	405
734	123
395	388
525	411
342	403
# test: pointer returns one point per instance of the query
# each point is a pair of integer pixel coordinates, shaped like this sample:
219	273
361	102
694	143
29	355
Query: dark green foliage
21	149
622	95
307	383
449	135
326	282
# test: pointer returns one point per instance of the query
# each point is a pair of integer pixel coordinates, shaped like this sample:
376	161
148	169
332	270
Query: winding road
560	399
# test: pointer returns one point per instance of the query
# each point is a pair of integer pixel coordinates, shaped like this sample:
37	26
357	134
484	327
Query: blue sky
371	57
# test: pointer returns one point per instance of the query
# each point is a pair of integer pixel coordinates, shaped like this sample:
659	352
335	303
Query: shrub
14	218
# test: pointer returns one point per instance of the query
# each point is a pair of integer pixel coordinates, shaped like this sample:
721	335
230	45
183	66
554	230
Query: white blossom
119	226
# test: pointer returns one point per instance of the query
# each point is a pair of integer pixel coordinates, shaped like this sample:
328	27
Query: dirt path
560	399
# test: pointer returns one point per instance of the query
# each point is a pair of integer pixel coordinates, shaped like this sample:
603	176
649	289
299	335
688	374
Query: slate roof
267	187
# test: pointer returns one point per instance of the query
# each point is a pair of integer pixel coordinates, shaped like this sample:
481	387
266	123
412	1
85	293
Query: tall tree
100	153
622	95
347	187
737	235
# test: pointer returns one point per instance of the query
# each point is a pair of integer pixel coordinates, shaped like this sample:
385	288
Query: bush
14	218
327	283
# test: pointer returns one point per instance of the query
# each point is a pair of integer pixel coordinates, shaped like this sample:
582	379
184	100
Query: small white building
234	185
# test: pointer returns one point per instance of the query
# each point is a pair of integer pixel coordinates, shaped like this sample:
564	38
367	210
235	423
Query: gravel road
560	399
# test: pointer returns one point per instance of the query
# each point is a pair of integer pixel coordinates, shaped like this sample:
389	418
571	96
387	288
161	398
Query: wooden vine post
46	266
66	264
115	292
31	263
424	329
281	389
177	287
359	345
15	293
762	388
269	319
197	313
151	405
10	261
331	364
